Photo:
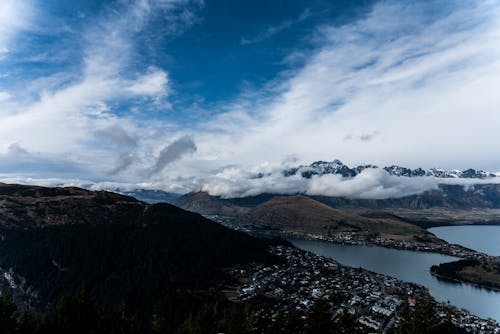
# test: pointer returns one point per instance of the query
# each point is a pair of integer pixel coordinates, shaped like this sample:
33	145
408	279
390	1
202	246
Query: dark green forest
169	263
81	315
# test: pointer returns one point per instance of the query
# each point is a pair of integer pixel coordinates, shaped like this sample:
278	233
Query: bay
482	238
412	267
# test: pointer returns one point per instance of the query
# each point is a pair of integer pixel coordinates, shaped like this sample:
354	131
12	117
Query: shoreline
472	254
359	289
477	256
437	246
457	280
481	273
443	247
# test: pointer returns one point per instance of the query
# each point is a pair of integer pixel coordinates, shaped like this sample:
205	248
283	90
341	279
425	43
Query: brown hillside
203	203
300	214
32	206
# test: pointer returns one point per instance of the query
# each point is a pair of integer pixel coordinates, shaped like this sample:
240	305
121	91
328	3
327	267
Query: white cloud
234	182
275	29
152	84
4	96
15	17
424	84
88	184
371	183
70	108
16	149
237	182
418	91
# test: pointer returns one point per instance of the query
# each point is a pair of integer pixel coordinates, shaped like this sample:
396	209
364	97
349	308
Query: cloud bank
232	182
371	183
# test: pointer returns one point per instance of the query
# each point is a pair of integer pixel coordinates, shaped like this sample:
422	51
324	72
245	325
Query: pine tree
319	320
423	319
8	323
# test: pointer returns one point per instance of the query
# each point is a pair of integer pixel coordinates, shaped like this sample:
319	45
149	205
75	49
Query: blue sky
172	93
218	50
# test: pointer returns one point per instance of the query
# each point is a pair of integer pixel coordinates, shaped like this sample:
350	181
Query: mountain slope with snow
337	167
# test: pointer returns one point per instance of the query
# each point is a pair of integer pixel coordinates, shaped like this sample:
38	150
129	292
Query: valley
313	217
160	261
351	223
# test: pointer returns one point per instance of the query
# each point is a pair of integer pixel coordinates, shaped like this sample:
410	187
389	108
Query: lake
484	239
412	267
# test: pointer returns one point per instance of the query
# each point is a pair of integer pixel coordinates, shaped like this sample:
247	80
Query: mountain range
337	167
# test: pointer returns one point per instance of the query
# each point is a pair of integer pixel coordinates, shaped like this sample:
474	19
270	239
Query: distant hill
149	195
147	258
485	196
206	204
300	214
448	205
32	206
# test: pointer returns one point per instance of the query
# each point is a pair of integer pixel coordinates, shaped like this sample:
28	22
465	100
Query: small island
481	272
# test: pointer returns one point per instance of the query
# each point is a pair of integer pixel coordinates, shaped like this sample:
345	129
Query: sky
181	94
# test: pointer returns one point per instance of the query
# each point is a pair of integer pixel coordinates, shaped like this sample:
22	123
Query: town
351	238
355	239
373	299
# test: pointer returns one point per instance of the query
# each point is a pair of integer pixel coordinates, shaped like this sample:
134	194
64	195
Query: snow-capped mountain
337	167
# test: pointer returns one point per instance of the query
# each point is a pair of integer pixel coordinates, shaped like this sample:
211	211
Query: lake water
412	267
484	239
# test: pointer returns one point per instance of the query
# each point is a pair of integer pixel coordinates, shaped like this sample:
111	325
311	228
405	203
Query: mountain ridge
147	257
337	167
